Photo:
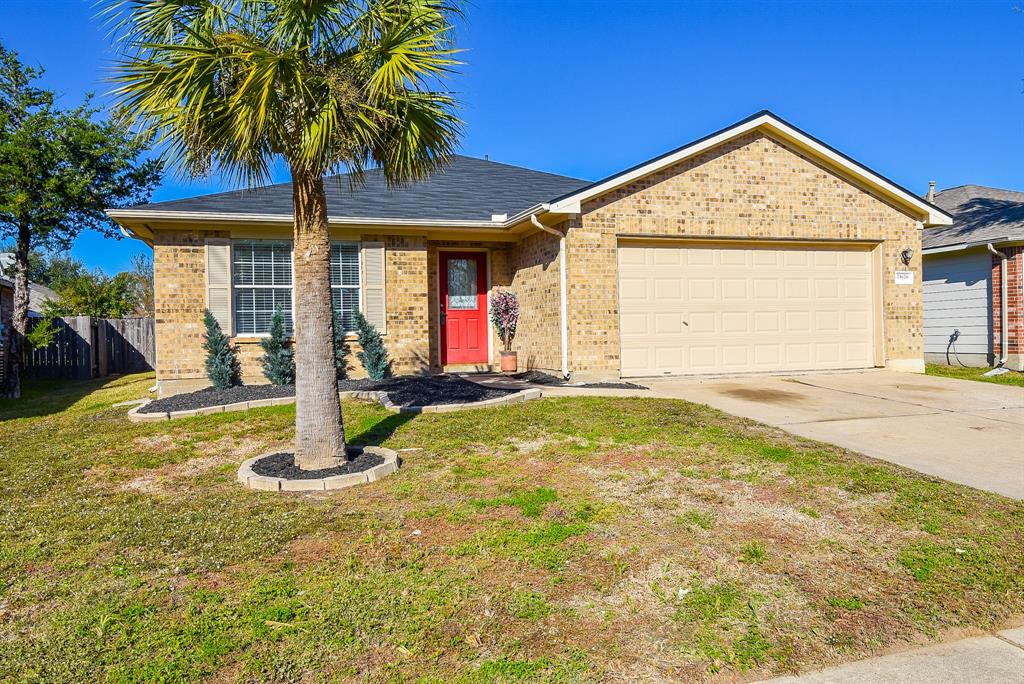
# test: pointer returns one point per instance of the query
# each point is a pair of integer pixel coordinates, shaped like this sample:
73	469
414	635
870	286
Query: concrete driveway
961	430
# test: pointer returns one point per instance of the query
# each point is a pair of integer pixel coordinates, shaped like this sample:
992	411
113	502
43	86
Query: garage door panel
633	288
767	321
765	257
692	309
734	288
826	288
766	288
701	322
668	288
701	289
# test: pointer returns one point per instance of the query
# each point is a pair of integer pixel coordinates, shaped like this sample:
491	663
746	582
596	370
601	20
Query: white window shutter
373	285
218	281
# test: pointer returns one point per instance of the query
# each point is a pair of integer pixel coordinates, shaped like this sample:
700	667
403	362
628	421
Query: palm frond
233	85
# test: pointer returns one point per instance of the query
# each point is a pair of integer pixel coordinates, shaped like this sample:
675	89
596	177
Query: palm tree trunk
319	434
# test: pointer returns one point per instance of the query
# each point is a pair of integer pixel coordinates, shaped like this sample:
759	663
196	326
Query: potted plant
505	316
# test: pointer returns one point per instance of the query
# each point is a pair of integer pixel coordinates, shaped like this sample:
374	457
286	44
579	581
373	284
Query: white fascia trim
571	204
128	214
967	245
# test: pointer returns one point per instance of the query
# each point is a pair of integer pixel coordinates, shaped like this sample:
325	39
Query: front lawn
1012	378
566	539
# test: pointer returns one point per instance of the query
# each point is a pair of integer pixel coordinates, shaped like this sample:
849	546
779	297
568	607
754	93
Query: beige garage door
722	308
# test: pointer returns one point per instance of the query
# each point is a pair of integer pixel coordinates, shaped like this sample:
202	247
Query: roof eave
132	218
1005	241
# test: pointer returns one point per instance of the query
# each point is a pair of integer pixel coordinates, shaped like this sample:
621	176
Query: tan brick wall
536	283
753	186
179	271
179	261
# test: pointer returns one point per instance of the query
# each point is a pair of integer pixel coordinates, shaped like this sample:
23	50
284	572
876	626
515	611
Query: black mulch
539	378
283	465
404	391
215	397
434	390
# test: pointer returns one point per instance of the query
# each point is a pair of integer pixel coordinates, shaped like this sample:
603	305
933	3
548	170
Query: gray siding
957	296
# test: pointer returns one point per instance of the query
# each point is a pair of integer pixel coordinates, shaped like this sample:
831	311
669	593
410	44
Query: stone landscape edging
380	396
250	479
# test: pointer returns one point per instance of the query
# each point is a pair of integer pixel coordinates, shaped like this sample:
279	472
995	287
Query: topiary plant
374	356
341	349
505	316
278	358
221	358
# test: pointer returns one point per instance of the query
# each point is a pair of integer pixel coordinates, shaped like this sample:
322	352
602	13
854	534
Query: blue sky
917	91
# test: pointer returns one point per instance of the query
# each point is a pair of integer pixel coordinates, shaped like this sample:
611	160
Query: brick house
757	248
974	279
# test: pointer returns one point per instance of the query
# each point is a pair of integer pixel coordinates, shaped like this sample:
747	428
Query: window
345	282
262	278
462	284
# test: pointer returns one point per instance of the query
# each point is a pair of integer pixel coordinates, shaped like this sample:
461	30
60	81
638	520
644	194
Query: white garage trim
697	307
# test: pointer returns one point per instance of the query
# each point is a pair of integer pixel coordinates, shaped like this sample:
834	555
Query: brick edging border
248	478
373	395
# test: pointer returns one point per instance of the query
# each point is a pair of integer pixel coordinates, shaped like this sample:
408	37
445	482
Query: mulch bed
403	391
283	465
539	378
436	390
216	397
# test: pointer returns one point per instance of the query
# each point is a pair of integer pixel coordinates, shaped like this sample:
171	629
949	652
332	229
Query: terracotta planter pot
509	362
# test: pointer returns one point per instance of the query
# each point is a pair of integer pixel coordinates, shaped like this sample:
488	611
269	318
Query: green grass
753	552
702	519
657	539
1013	378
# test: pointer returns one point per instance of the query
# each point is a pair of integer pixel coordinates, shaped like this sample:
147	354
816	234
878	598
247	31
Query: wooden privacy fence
87	347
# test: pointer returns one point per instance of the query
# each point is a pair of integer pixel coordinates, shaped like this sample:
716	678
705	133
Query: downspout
1004	334
563	294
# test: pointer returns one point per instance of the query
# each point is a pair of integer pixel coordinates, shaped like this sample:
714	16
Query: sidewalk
992	659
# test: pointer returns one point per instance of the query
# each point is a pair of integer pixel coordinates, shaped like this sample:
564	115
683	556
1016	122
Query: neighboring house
757	248
38	295
967	297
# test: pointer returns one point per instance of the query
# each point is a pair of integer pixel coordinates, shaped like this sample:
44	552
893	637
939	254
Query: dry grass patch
658	541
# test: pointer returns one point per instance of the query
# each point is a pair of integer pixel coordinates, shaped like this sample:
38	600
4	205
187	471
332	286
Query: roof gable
931	215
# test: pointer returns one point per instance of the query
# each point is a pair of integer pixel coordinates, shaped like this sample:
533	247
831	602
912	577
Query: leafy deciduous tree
96	294
59	170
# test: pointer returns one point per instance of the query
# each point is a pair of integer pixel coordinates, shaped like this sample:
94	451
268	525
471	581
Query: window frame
291	336
234	287
359	269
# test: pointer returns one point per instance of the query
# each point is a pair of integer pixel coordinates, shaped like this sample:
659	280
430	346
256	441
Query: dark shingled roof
468	190
982	215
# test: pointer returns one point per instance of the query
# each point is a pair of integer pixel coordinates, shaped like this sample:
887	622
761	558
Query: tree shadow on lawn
382	430
43	397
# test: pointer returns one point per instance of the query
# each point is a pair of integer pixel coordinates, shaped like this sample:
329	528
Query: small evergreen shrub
341	349
374	356
278	358
221	358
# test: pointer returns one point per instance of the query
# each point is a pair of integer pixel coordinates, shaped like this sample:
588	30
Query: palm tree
236	86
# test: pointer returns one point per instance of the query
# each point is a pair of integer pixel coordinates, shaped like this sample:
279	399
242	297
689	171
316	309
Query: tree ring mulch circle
277	472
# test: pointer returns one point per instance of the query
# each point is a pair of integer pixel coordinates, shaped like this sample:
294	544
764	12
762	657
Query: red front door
463	307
